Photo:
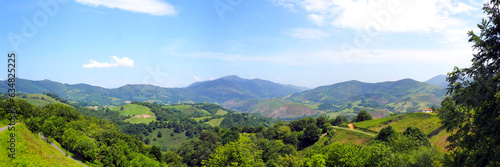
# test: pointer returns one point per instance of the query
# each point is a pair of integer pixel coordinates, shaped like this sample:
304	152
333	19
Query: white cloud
197	78
289	4
116	62
317	19
307	33
458	56
153	7
385	15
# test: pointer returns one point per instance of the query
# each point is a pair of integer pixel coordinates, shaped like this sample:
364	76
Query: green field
132	109
137	120
221	112
166	141
31	150
39	100
215	122
188	109
427	122
201	118
346	136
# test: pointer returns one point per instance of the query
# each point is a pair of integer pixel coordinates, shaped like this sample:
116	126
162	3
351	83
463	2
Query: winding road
371	134
53	145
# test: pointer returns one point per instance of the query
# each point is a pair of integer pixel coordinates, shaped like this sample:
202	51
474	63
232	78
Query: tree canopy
362	116
473	109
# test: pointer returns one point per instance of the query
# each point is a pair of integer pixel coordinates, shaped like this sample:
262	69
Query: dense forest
101	142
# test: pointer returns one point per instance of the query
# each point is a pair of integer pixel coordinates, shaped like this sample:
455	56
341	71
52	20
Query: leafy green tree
386	134
230	136
476	92
316	160
298	125
417	135
321	121
156	152
195	151
240	153
288	161
311	135
433	107
159	134
172	159
362	116
273	149
339	120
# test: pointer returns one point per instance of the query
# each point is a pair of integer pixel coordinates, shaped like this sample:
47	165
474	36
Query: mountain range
258	96
214	91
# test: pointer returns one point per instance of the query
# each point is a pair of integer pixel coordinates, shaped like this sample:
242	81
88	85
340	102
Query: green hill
371	93
132	109
427	122
39	99
216	91
31	150
274	108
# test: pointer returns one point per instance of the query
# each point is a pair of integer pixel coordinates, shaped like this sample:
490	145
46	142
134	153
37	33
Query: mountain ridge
215	91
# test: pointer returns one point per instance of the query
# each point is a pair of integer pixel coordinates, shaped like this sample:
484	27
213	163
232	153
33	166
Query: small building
427	110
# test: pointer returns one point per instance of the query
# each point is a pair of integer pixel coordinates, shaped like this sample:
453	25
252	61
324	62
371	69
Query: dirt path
336	127
60	150
323	135
3	128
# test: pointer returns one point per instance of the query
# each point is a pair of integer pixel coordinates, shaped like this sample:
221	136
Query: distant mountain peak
232	78
439	80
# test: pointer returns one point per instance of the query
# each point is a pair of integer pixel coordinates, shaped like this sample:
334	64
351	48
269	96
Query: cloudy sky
170	43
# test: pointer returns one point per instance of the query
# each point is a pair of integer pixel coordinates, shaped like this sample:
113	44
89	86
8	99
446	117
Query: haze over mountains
439	80
256	95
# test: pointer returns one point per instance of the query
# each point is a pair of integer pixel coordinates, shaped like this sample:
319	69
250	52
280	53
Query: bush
386	133
417	135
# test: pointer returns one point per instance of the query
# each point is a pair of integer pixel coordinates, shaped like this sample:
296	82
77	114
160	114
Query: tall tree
362	116
476	94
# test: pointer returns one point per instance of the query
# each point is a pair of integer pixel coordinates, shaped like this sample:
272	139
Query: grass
187	109
215	122
132	109
166	141
137	120
346	136
201	118
340	136
31	150
221	112
440	140
36	99
427	122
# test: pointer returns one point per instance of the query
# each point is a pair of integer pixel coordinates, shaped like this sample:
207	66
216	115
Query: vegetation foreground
470	115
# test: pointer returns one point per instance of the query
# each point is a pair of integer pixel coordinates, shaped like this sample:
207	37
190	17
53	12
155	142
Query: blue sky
170	43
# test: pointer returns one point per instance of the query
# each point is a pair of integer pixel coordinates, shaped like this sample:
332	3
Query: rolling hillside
234	87
216	91
348	98
427	122
377	93
32	150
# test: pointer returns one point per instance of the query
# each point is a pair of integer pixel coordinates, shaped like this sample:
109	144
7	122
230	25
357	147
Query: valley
256	96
